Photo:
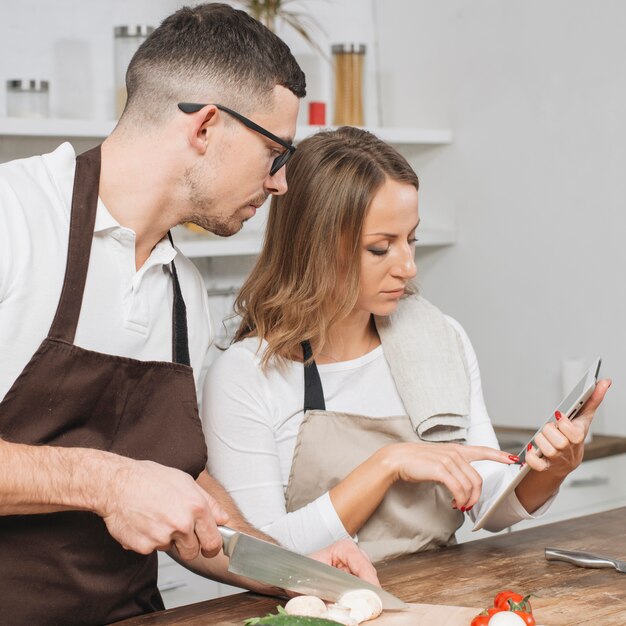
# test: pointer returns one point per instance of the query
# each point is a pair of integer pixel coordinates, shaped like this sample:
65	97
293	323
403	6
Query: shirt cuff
510	511
516	505
329	517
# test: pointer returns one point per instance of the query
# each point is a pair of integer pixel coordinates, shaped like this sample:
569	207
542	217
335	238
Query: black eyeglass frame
279	161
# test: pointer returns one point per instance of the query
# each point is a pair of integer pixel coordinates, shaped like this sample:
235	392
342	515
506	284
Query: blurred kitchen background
511	112
526	189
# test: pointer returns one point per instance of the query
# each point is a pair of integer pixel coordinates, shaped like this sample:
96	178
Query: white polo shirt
124	312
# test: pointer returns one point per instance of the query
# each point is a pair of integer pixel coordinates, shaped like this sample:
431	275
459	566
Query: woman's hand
347	556
445	463
562	442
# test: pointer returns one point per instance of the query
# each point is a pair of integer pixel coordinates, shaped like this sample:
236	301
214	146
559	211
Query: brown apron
411	517
65	568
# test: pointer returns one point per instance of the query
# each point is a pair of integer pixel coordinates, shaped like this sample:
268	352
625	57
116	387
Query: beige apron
412	516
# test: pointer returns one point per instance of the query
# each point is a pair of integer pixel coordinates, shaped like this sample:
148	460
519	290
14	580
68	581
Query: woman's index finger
485	453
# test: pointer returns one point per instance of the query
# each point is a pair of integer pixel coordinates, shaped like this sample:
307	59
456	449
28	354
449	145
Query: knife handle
229	539
581	559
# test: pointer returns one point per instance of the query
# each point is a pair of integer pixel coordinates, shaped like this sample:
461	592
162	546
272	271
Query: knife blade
584	559
279	567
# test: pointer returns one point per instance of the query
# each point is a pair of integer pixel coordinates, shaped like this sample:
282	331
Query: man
101	332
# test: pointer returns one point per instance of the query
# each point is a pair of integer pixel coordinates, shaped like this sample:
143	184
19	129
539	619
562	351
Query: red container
317	113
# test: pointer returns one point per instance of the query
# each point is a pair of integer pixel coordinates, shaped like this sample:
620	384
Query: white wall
535	95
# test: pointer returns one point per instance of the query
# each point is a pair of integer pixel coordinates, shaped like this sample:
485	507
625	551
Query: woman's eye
378	251
413	240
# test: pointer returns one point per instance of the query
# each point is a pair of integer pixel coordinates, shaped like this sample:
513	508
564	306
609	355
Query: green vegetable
282	618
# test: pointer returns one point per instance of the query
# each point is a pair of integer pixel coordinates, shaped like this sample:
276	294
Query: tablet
571	404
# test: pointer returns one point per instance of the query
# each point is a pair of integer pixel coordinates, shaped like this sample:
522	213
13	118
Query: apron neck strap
313	391
82	222
180	340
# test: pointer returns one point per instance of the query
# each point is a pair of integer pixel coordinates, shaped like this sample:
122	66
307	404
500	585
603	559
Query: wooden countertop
600	446
471	573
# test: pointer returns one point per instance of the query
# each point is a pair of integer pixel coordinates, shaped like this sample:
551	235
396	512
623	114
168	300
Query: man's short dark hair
209	51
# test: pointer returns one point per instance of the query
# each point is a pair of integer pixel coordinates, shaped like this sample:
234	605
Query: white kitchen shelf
249	244
245	243
68	128
241	244
48	127
431	136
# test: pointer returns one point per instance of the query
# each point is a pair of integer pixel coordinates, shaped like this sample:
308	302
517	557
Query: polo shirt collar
61	164
163	252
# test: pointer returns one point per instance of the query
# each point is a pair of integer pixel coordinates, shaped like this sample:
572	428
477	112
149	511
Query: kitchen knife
279	567
584	559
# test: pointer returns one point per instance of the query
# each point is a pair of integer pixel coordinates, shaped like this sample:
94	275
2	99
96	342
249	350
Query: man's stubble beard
216	224
202	208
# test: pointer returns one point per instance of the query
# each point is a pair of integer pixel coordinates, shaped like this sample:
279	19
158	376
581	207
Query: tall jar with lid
348	65
27	98
127	40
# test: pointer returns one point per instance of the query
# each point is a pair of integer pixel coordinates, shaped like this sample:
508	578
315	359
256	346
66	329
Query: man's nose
277	184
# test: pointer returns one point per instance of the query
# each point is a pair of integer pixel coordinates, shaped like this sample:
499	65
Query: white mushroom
364	604
308	606
506	618
341	614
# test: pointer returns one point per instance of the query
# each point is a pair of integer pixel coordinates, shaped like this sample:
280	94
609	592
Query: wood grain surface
469	575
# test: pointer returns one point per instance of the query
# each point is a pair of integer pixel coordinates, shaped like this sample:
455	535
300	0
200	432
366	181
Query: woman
347	404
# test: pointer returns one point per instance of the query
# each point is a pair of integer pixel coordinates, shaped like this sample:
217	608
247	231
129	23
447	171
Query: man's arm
216	568
236	519
45	479
343	554
145	506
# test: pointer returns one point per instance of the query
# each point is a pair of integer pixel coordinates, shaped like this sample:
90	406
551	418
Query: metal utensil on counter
584	559
273	565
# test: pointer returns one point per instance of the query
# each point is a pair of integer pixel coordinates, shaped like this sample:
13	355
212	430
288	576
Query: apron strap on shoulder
313	391
82	221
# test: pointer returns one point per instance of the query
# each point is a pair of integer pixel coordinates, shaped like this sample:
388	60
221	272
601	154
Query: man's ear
200	125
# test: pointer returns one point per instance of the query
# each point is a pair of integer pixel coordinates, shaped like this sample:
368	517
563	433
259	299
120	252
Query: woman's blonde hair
307	276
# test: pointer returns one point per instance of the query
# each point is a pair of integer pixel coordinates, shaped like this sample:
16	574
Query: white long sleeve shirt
251	420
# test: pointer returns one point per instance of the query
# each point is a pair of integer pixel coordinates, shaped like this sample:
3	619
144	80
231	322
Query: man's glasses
279	161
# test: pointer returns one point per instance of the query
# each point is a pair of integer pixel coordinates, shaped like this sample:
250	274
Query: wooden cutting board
426	615
416	615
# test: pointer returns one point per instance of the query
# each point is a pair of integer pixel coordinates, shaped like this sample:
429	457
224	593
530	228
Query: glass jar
127	40
27	98
348	62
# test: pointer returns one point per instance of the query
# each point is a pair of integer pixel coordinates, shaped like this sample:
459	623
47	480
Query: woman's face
388	247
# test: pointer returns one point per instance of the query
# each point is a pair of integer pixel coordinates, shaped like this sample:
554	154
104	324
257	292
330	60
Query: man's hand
145	506
151	507
346	555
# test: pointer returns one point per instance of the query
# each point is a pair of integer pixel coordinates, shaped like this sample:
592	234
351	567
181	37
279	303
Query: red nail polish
529	447
469	508
514	458
558	415
463	509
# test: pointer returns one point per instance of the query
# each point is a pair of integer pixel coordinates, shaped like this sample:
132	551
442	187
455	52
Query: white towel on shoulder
427	361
